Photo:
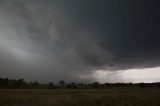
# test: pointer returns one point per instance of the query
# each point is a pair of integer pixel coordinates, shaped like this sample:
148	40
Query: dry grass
86	97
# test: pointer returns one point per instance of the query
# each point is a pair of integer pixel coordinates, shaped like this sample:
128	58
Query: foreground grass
86	97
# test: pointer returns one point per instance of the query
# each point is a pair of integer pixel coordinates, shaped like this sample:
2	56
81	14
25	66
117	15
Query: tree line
6	83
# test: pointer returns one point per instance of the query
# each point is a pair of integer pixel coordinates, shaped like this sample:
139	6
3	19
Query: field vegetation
80	97
20	93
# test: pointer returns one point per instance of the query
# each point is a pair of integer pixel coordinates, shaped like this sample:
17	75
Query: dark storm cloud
63	39
130	29
39	44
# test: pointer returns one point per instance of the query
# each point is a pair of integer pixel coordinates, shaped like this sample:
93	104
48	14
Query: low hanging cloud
38	45
50	40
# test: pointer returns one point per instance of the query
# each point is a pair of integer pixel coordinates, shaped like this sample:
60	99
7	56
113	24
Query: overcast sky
80	40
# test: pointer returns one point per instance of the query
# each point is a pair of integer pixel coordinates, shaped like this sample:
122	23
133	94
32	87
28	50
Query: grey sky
51	40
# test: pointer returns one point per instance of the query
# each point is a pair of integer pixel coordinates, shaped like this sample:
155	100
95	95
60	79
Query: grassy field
86	97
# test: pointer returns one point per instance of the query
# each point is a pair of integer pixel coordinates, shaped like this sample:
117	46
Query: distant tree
142	85
81	84
62	83
20	82
69	86
4	82
130	84
102	86
36	83
95	85
51	85
107	84
158	84
74	85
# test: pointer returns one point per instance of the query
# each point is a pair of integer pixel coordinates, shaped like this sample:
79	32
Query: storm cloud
50	40
44	46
